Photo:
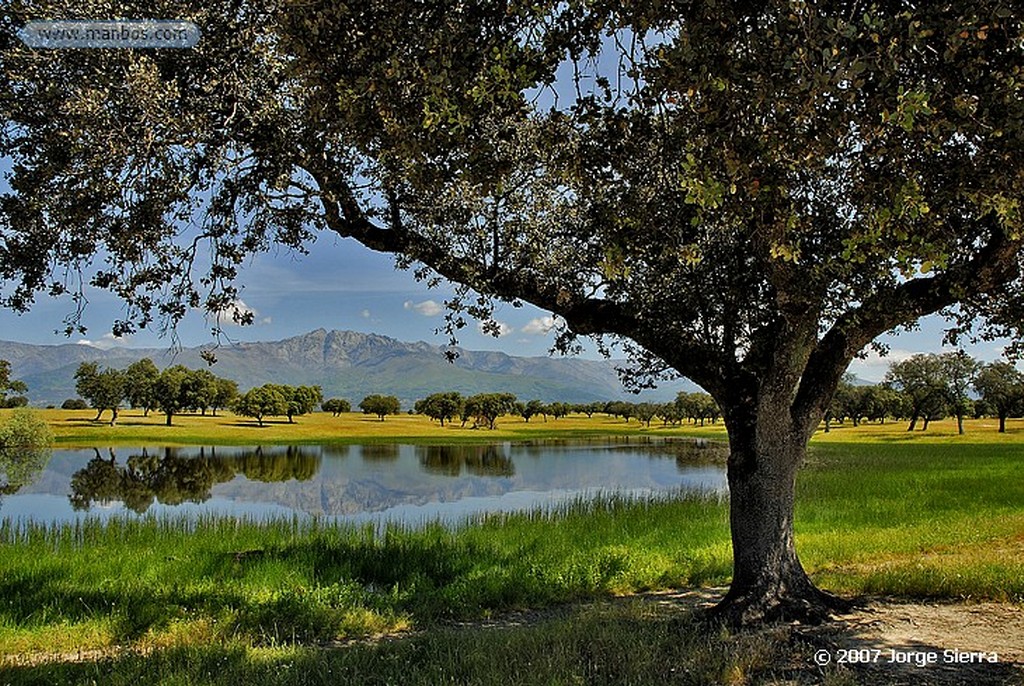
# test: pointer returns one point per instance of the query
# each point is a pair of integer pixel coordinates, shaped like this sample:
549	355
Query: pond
410	484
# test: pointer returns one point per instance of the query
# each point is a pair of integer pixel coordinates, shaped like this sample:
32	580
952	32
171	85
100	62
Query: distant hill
345	364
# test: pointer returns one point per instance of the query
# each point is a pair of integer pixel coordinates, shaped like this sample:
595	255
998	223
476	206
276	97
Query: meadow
880	511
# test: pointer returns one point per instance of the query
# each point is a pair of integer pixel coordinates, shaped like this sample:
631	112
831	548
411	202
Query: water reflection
20	465
171	477
372	482
479	460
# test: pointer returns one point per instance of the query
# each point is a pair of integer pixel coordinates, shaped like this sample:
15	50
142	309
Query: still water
379	483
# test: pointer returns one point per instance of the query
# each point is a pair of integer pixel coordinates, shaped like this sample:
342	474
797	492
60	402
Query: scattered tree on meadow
301	399
104	390
920	377
74	404
748	195
380	405
441	406
485	408
529	409
336	406
1001	387
139	379
262	401
958	372
171	391
225	392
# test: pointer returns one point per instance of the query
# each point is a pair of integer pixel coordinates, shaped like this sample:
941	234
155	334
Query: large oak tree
746	194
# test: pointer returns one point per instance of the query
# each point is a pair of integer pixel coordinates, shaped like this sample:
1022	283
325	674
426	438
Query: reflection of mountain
355	480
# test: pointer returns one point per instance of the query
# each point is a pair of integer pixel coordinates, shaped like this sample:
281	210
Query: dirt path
896	641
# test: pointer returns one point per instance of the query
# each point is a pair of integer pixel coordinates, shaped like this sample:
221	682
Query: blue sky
342	285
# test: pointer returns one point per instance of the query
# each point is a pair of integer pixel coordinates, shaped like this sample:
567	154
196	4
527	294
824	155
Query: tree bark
1002	423
768	583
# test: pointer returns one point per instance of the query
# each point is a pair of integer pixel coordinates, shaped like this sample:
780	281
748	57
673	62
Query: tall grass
885	517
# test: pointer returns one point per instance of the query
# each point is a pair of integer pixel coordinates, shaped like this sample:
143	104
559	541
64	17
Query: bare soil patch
905	633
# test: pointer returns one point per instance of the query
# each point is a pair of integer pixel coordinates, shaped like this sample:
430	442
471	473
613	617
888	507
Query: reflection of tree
171	477
480	460
335	450
276	465
24	450
380	452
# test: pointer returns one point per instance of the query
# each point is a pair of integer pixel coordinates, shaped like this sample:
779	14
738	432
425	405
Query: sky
342	285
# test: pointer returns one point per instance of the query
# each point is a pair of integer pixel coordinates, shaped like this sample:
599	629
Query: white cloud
874	366
428	308
106	341
365	314
503	329
237	309
539	325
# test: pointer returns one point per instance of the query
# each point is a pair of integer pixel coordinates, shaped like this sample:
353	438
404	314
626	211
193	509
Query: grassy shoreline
878	511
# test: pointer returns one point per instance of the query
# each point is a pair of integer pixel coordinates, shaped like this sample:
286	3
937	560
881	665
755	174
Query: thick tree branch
584	315
889	308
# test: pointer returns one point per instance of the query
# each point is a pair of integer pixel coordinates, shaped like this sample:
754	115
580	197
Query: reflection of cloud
501	328
539	325
106	341
428	308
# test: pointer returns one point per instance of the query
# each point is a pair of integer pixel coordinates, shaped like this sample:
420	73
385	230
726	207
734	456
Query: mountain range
345	364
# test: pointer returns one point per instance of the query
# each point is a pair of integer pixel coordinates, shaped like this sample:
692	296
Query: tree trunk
169	415
913	423
960	424
768	581
1002	423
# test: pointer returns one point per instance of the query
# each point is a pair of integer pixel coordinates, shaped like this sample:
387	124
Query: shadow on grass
633	642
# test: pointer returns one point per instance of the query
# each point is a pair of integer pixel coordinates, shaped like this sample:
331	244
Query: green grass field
879	511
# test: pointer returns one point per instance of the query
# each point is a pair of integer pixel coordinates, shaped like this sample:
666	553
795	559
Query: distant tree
558	409
487	407
260	402
171	391
74	404
8	385
921	378
336	406
225	392
104	390
199	390
645	412
441	406
139	379
958	372
1001	387
301	400
529	409
619	408
670	413
380	405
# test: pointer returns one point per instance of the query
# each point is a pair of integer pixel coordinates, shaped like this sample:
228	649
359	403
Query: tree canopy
746	194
